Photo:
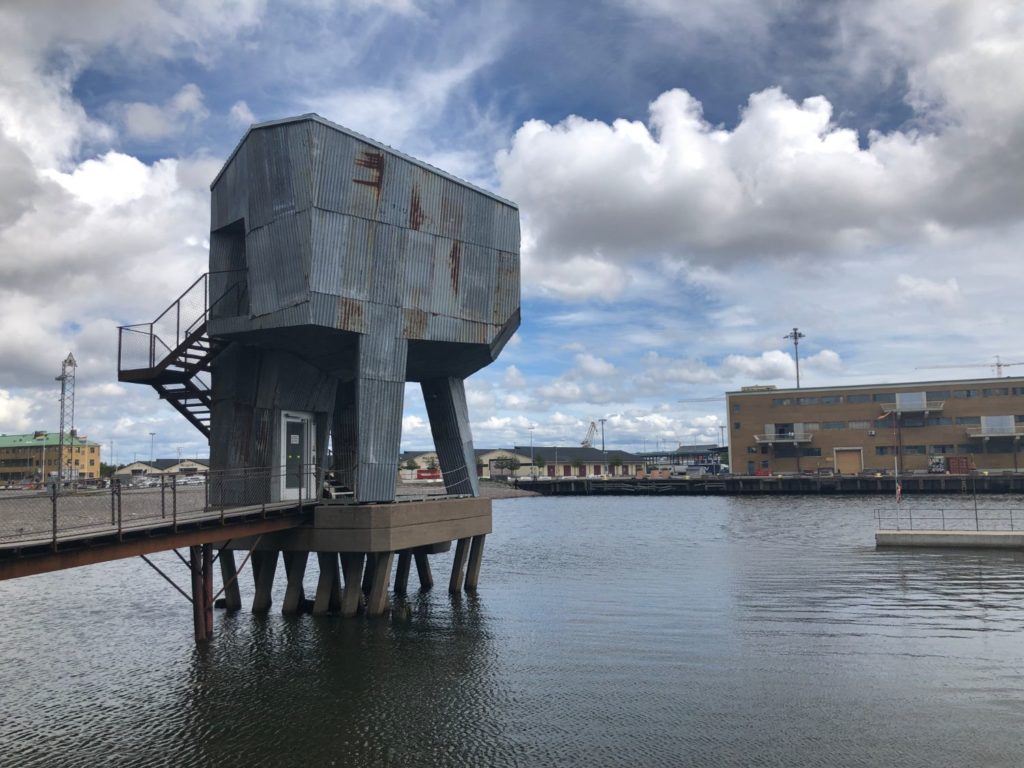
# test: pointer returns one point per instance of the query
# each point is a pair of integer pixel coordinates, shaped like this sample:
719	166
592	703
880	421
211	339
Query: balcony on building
912	402
996	426
793	438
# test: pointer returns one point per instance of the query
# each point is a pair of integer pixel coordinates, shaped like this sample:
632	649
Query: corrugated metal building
361	268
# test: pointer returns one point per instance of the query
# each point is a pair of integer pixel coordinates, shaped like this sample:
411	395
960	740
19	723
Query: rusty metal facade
365	268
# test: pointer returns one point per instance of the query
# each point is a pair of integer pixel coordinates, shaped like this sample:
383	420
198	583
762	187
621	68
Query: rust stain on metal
350	314
455	260
451	215
416	324
373	162
416	214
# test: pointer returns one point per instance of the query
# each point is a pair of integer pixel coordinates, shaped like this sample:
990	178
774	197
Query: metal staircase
174	352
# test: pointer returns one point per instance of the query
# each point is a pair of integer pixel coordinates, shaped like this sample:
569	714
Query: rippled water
607	632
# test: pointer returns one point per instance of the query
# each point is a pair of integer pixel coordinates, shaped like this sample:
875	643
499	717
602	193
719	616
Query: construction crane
998	366
588	441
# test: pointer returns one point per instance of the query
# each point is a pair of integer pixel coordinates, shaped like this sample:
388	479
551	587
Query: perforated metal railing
164	501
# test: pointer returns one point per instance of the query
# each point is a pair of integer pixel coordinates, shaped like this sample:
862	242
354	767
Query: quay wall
737	485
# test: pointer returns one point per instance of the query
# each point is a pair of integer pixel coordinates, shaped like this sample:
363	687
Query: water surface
607	632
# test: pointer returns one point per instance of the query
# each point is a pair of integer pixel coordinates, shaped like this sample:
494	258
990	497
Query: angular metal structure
351	269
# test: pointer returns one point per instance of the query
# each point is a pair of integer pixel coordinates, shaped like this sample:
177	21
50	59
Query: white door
298	455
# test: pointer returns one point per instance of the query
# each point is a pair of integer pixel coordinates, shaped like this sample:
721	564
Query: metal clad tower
362	269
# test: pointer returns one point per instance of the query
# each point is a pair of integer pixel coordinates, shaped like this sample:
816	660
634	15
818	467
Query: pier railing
161	502
950	519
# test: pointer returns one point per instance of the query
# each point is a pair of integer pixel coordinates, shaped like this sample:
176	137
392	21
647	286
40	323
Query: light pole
533	467
602	433
795	335
152	442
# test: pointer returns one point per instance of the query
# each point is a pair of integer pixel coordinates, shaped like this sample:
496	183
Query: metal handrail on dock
65	514
910	518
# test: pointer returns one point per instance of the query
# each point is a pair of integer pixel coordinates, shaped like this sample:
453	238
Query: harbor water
607	632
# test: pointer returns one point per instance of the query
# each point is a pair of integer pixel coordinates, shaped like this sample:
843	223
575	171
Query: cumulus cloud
15	413
825	360
773	364
150	122
786	180
592	365
513	378
241	115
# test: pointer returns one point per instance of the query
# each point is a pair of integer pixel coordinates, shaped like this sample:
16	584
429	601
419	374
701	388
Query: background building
577	461
919	427
139	469
33	456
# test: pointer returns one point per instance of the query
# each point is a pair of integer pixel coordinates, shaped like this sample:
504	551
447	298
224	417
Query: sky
694	180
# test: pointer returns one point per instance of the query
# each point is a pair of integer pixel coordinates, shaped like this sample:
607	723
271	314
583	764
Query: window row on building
913	427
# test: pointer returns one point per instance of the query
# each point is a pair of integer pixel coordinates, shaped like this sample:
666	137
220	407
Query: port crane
998	366
588	441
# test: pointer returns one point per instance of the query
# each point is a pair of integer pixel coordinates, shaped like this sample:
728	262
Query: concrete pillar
423	571
402	572
371	559
229	575
377	600
458	566
352	565
328	588
295	570
264	565
445	399
476	556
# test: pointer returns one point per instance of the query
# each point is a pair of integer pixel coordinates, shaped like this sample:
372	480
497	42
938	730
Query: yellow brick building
937	425
33	456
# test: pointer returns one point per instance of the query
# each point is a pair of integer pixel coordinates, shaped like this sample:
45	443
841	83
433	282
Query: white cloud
513	378
768	365
592	365
241	115
786	180
921	289
15	413
150	122
825	360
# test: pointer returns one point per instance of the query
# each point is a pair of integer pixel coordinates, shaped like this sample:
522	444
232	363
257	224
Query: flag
899	491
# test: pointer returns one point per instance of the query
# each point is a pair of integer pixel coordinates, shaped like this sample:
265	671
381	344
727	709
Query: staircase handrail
181	335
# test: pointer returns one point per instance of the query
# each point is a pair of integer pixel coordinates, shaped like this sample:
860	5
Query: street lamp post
795	335
152	442
533	467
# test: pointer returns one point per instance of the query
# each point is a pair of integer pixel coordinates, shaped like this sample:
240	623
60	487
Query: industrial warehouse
919	427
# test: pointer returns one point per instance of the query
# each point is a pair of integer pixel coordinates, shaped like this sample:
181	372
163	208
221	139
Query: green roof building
33	457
